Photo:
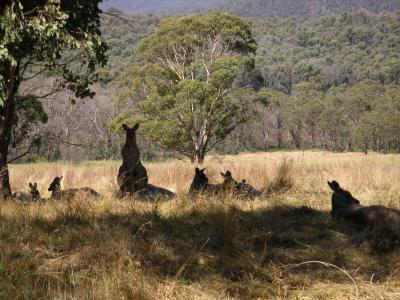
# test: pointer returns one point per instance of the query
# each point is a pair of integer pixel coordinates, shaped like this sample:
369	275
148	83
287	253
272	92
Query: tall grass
285	246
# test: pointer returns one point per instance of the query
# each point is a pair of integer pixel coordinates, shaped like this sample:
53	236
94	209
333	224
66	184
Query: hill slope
254	8
345	49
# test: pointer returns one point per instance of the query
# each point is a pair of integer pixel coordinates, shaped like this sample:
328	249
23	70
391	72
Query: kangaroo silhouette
200	184
33	195
239	189
344	205
229	184
245	190
132	175
69	194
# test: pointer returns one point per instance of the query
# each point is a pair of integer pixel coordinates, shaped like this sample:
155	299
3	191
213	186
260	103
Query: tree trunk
200	140
295	139
365	147
200	155
5	188
279	123
200	150
6	115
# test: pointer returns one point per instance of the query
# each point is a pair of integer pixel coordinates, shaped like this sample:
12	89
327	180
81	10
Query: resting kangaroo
344	205
200	184
132	175
229	184
239	189
154	192
34	194
69	194
246	190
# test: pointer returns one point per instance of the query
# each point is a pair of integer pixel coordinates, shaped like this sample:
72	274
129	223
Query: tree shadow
237	245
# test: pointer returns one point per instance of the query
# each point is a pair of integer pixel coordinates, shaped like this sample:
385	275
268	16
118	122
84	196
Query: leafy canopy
58	35
185	90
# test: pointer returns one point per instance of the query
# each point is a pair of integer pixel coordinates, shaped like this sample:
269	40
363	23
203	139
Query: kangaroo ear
31	185
125	127
197	170
136	127
202	170
61	178
334	185
223	175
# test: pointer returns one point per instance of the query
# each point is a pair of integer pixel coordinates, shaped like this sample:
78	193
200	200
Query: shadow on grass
222	240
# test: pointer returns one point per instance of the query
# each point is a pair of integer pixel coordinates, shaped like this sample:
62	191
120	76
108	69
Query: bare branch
120	16
32	143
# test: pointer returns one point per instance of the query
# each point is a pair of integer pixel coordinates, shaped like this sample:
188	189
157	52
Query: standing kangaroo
69	194
344	205
33	195
132	175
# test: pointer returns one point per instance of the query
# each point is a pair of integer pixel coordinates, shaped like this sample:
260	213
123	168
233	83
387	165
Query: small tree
185	90
36	36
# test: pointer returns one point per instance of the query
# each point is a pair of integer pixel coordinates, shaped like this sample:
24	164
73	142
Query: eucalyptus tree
39	36
185	90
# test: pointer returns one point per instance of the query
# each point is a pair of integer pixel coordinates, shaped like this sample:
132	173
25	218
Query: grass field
283	247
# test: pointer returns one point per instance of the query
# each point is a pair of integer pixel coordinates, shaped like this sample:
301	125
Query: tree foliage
185	92
362	117
340	50
36	37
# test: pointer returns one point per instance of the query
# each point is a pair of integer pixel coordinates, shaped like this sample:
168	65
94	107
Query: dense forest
302	9
328	83
340	50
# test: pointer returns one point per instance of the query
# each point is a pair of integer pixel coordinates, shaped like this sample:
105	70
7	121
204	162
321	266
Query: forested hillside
254	8
339	50
343	49
342	70
315	64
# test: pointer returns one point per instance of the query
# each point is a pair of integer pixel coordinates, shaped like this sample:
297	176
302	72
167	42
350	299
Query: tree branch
119	16
32	143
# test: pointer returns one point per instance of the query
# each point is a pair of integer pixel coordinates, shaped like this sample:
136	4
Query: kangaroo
344	205
34	194
229	183
151	192
239	189
132	175
58	194
200	184
243	189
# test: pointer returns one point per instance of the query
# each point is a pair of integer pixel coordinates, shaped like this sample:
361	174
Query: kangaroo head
226	175
228	179
55	185
34	191
341	198
130	132
200	178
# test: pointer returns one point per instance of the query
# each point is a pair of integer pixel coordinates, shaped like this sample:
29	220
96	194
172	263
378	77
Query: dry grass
285	247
